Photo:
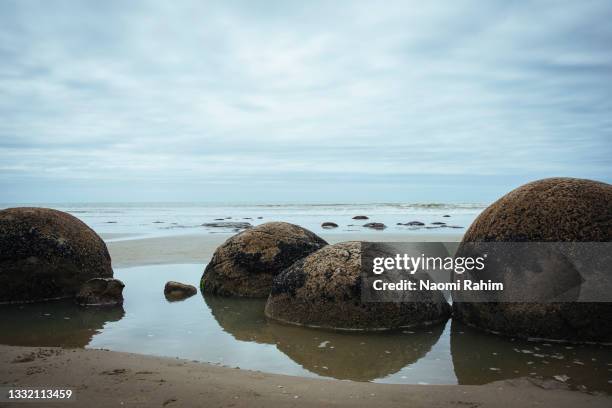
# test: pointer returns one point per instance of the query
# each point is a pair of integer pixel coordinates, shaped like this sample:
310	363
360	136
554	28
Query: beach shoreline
115	378
198	248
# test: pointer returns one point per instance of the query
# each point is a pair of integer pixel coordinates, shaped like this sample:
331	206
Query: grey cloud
134	91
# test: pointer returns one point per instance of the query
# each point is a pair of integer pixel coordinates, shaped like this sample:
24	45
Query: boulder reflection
243	318
356	356
53	324
481	358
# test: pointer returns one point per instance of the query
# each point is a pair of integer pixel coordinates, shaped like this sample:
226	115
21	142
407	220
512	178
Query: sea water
118	221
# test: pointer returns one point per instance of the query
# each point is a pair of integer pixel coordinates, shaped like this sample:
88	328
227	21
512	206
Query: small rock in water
328	225
178	291
361	217
446	216
438	223
414	224
375	225
228	224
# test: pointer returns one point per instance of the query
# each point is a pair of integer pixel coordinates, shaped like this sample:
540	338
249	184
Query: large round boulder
47	254
560	210
247	262
325	290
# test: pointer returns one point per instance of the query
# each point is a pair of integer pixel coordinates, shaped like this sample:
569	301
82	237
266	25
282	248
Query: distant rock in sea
553	210
324	290
446	216
47	254
329	225
414	224
361	217
174	291
228	224
375	225
438	223
101	292
247	262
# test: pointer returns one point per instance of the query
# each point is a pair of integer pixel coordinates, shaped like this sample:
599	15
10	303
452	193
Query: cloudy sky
300	101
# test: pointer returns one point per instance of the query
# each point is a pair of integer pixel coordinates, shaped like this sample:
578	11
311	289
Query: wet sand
198	248
103	378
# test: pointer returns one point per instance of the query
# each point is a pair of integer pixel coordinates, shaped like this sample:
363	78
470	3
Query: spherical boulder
47	254
561	210
247	262
324	290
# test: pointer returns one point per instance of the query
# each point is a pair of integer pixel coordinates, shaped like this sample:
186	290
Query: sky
294	101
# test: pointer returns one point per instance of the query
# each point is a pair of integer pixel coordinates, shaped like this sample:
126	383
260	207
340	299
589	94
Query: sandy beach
114	378
109	379
198	248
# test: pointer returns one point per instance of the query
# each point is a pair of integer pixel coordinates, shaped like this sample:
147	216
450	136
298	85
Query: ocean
161	219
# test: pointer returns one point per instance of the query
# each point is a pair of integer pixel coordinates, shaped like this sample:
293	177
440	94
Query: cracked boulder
47	254
324	290
247	262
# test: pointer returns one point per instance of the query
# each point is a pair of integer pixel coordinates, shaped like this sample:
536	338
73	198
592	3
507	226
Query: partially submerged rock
247	262
329	225
361	217
178	291
228	224
324	290
375	225
47	254
549	210
101	292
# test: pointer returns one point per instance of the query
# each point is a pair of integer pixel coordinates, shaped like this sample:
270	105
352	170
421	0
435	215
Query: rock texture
324	290
47	254
247	262
549	210
178	291
101	292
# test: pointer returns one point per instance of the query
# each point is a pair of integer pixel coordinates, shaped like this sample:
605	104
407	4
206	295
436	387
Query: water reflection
235	332
354	356
58	323
244	319
481	358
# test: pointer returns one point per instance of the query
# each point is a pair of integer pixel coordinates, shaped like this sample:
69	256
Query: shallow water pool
235	333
